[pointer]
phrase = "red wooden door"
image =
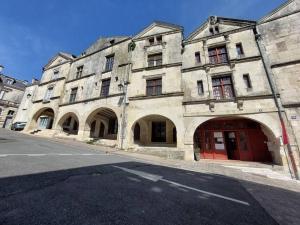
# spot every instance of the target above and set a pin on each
(244, 147)
(206, 149)
(259, 147)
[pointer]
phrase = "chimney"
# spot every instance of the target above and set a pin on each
(1, 68)
(34, 81)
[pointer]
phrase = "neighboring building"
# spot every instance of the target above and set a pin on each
(162, 94)
(11, 92)
(279, 34)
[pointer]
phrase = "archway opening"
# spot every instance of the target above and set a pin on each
(69, 123)
(103, 124)
(43, 119)
(154, 130)
(234, 139)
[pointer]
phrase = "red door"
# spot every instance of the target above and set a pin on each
(219, 148)
(259, 147)
(244, 147)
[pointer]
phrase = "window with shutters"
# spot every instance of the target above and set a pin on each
(222, 87)
(154, 87)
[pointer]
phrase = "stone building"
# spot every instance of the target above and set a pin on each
(204, 96)
(11, 92)
(278, 34)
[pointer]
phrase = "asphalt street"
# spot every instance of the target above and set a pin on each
(43, 181)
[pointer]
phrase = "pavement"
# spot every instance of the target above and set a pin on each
(51, 181)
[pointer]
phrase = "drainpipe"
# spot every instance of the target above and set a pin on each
(286, 143)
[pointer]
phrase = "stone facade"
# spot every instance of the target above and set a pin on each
(11, 93)
(154, 91)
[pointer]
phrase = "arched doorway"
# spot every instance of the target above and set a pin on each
(43, 119)
(154, 130)
(233, 139)
(69, 123)
(103, 124)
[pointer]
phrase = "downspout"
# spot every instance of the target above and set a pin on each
(286, 146)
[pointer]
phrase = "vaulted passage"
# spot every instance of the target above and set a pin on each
(43, 119)
(234, 139)
(69, 123)
(103, 124)
(154, 130)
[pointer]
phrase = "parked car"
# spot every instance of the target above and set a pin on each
(18, 126)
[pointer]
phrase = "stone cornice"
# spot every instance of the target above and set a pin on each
(51, 81)
(156, 67)
(144, 97)
(92, 99)
(285, 63)
(79, 78)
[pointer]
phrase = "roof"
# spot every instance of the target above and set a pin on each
(20, 84)
(221, 20)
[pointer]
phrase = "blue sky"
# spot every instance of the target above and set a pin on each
(33, 31)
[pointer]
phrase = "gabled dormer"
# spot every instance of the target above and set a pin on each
(214, 26)
(59, 59)
(158, 45)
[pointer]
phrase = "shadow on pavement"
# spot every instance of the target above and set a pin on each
(106, 194)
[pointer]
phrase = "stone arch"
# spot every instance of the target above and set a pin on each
(69, 123)
(103, 116)
(42, 119)
(271, 133)
(162, 135)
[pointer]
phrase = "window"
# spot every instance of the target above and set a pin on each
(79, 71)
(105, 88)
(155, 60)
(247, 81)
(211, 30)
(222, 87)
(10, 112)
(200, 87)
(197, 57)
(73, 94)
(9, 81)
(239, 50)
(158, 132)
(217, 30)
(218, 55)
(159, 39)
(2, 94)
(151, 41)
(55, 74)
(153, 87)
(0, 111)
(48, 94)
(109, 63)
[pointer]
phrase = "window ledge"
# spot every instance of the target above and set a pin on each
(106, 71)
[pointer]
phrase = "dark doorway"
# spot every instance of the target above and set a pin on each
(137, 132)
(158, 132)
(231, 144)
(174, 135)
(101, 132)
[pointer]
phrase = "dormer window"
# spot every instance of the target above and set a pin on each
(155, 40)
(211, 30)
(55, 74)
(112, 41)
(151, 41)
(10, 81)
(159, 39)
(217, 30)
